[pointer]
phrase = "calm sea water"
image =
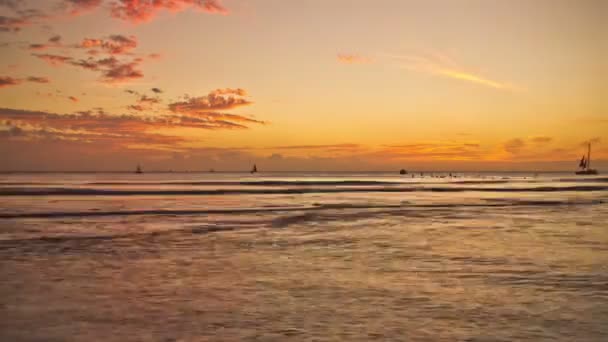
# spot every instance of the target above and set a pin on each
(286, 256)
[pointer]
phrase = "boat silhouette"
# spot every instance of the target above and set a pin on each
(585, 164)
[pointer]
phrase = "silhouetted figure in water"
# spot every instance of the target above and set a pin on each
(139, 170)
(255, 169)
(403, 172)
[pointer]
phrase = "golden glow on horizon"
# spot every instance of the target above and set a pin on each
(369, 85)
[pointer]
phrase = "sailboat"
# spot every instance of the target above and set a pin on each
(255, 169)
(138, 170)
(585, 164)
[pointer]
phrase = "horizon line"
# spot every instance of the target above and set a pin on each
(290, 171)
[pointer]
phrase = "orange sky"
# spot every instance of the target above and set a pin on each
(302, 85)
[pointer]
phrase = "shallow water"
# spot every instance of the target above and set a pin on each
(478, 257)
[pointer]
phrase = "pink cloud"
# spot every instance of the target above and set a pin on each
(76, 7)
(115, 44)
(24, 18)
(138, 11)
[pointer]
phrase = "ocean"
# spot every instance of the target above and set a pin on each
(303, 256)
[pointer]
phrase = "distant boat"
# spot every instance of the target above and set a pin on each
(211, 170)
(403, 172)
(255, 169)
(585, 164)
(138, 170)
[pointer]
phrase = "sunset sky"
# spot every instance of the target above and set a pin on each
(302, 85)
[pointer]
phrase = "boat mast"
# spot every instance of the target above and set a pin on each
(589, 156)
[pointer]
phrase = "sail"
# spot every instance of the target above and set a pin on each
(583, 163)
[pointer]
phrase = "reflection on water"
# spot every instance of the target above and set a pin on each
(366, 265)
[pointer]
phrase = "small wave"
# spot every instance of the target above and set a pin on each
(256, 183)
(481, 182)
(585, 180)
(269, 183)
(211, 192)
(218, 183)
(316, 207)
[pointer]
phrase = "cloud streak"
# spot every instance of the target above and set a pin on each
(122, 130)
(434, 150)
(7, 81)
(99, 126)
(112, 69)
(53, 60)
(443, 66)
(38, 79)
(208, 108)
(346, 58)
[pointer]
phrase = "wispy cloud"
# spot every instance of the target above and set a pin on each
(514, 146)
(118, 65)
(55, 39)
(143, 102)
(11, 4)
(76, 7)
(112, 69)
(115, 44)
(444, 66)
(128, 129)
(349, 58)
(54, 60)
(7, 81)
(219, 99)
(433, 150)
(541, 140)
(38, 79)
(21, 19)
(120, 129)
(345, 146)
